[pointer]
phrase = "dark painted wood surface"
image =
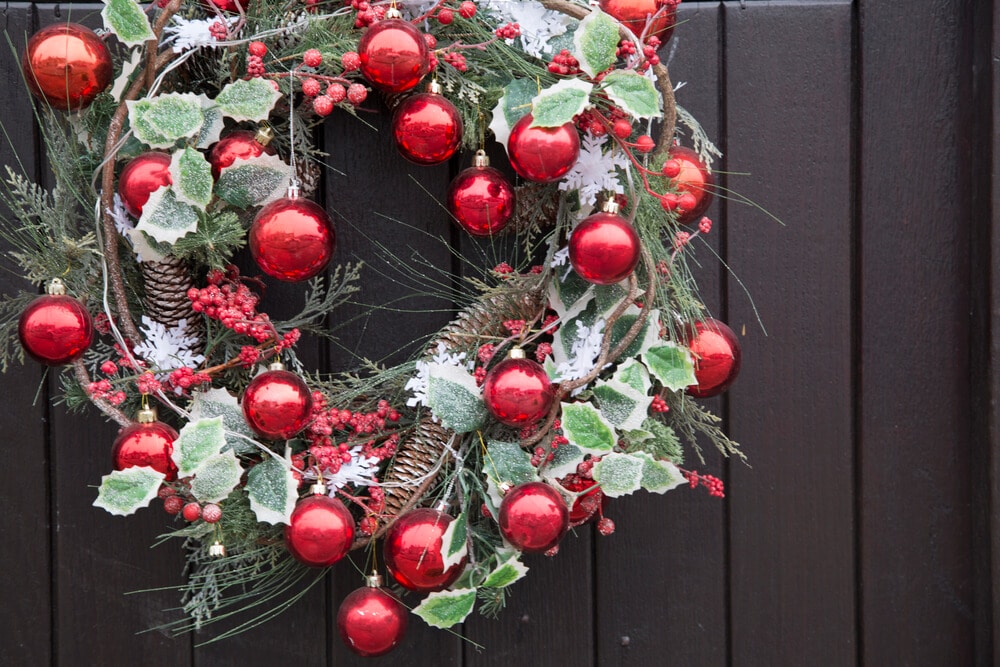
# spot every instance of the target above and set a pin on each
(865, 530)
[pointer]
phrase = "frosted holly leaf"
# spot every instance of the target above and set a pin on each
(514, 104)
(124, 491)
(622, 405)
(127, 21)
(635, 375)
(454, 545)
(192, 177)
(671, 364)
(596, 42)
(220, 403)
(559, 103)
(161, 120)
(197, 442)
(569, 296)
(446, 608)
(145, 248)
(659, 476)
(454, 398)
(212, 123)
(608, 297)
(506, 573)
(272, 490)
(507, 463)
(619, 474)
(565, 460)
(248, 99)
(634, 93)
(253, 182)
(165, 219)
(648, 336)
(584, 426)
(122, 81)
(216, 477)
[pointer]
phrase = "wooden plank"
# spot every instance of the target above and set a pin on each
(915, 453)
(661, 578)
(26, 551)
(788, 122)
(989, 461)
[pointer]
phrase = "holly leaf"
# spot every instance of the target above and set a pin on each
(513, 105)
(248, 99)
(634, 93)
(659, 476)
(145, 248)
(622, 405)
(454, 546)
(454, 398)
(619, 474)
(596, 42)
(220, 403)
(129, 65)
(506, 573)
(216, 477)
(671, 364)
(127, 21)
(635, 375)
(662, 442)
(161, 120)
(586, 428)
(124, 491)
(446, 608)
(253, 182)
(165, 219)
(196, 443)
(649, 333)
(212, 123)
(564, 461)
(192, 178)
(272, 490)
(559, 103)
(507, 463)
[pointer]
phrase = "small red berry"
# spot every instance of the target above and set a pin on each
(445, 17)
(622, 128)
(322, 105)
(173, 504)
(350, 61)
(192, 511)
(312, 58)
(165, 491)
(671, 168)
(258, 49)
(605, 526)
(645, 144)
(211, 513)
(357, 94)
(687, 201)
(336, 92)
(311, 87)
(431, 40)
(467, 9)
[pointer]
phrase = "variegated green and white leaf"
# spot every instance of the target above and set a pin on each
(634, 93)
(671, 364)
(446, 608)
(622, 405)
(559, 103)
(124, 491)
(272, 490)
(596, 42)
(619, 474)
(254, 182)
(659, 476)
(248, 99)
(454, 545)
(584, 426)
(197, 442)
(165, 219)
(127, 20)
(216, 477)
(506, 573)
(513, 105)
(160, 121)
(220, 403)
(454, 398)
(192, 177)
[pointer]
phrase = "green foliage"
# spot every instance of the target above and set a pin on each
(217, 238)
(692, 419)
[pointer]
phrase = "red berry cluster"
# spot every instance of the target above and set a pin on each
(705, 225)
(255, 67)
(232, 303)
(713, 484)
(659, 405)
(102, 389)
(366, 14)
(515, 327)
(456, 60)
(508, 31)
(542, 350)
(217, 30)
(564, 63)
(681, 239)
(540, 455)
(185, 505)
(184, 378)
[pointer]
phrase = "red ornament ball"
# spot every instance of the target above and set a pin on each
(146, 444)
(371, 621)
(634, 13)
(427, 129)
(717, 355)
(482, 200)
(238, 145)
(394, 55)
(277, 404)
(142, 176)
(590, 500)
(412, 551)
(518, 392)
(542, 154)
(533, 517)
(693, 178)
(55, 329)
(320, 531)
(66, 65)
(604, 249)
(292, 239)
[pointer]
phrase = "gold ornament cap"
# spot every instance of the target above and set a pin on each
(318, 488)
(56, 287)
(610, 205)
(275, 366)
(481, 159)
(146, 415)
(373, 580)
(217, 550)
(265, 134)
(516, 353)
(393, 13)
(434, 87)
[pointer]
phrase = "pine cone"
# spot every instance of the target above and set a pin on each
(416, 456)
(165, 299)
(486, 317)
(309, 174)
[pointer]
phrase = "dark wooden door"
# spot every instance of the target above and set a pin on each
(864, 530)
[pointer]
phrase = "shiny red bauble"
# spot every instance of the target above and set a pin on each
(427, 129)
(693, 178)
(292, 239)
(238, 145)
(717, 354)
(517, 392)
(542, 154)
(634, 14)
(371, 621)
(604, 249)
(533, 517)
(66, 65)
(55, 329)
(320, 531)
(394, 55)
(143, 175)
(412, 551)
(481, 199)
(277, 404)
(148, 444)
(590, 500)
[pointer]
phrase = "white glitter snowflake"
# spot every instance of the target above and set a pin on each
(538, 24)
(165, 348)
(123, 221)
(583, 353)
(360, 471)
(187, 34)
(417, 384)
(595, 171)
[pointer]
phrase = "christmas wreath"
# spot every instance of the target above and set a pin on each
(186, 131)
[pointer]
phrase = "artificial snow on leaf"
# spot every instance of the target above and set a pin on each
(124, 491)
(127, 20)
(253, 182)
(619, 474)
(165, 219)
(272, 490)
(248, 99)
(192, 178)
(212, 125)
(145, 248)
(446, 608)
(507, 463)
(671, 364)
(218, 402)
(559, 103)
(569, 296)
(649, 333)
(564, 461)
(196, 442)
(506, 573)
(160, 121)
(635, 375)
(511, 107)
(622, 405)
(596, 42)
(454, 398)
(586, 428)
(634, 93)
(659, 476)
(454, 545)
(216, 477)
